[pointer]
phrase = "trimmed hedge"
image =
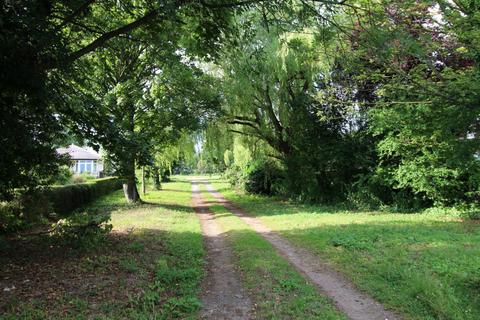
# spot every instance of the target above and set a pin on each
(30, 209)
(65, 199)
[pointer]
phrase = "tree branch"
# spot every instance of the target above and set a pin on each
(245, 133)
(244, 123)
(271, 113)
(75, 13)
(100, 41)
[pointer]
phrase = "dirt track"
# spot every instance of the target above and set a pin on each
(355, 304)
(223, 294)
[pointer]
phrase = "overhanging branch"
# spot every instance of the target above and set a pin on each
(100, 41)
(75, 13)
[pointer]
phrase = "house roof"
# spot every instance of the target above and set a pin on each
(79, 153)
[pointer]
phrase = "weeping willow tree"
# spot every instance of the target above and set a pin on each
(167, 156)
(278, 84)
(375, 101)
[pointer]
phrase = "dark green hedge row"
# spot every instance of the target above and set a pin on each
(29, 209)
(65, 199)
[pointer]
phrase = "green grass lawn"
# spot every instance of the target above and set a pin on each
(278, 291)
(149, 267)
(427, 266)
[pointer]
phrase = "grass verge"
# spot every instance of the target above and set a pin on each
(149, 267)
(276, 288)
(424, 265)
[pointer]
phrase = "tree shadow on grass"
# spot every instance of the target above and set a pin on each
(110, 208)
(269, 207)
(101, 282)
(166, 206)
(173, 190)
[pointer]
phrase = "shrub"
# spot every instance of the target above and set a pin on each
(372, 192)
(64, 176)
(471, 212)
(166, 176)
(363, 199)
(236, 176)
(83, 230)
(76, 179)
(82, 178)
(263, 177)
(65, 199)
(10, 216)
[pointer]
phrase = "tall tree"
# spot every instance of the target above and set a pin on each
(136, 98)
(41, 41)
(280, 84)
(426, 115)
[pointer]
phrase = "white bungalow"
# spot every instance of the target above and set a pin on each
(84, 160)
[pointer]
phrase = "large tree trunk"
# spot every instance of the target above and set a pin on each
(130, 191)
(130, 185)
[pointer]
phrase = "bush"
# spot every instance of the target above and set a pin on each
(363, 199)
(166, 176)
(64, 176)
(10, 216)
(83, 230)
(82, 178)
(470, 212)
(65, 199)
(372, 192)
(236, 176)
(263, 177)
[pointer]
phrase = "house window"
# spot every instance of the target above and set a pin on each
(88, 165)
(82, 166)
(85, 166)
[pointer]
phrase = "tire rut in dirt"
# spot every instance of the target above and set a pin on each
(223, 295)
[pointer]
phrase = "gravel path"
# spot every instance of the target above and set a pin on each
(223, 295)
(352, 302)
